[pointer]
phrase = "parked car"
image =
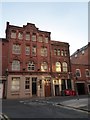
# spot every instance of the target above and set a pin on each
(68, 92)
(3, 117)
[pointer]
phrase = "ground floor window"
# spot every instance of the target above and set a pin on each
(15, 84)
(27, 83)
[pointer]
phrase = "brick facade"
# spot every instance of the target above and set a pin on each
(80, 61)
(33, 64)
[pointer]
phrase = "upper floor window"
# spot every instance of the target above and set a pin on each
(27, 50)
(62, 52)
(87, 72)
(58, 67)
(44, 66)
(33, 37)
(16, 49)
(13, 34)
(78, 73)
(65, 52)
(27, 36)
(20, 35)
(40, 39)
(34, 50)
(55, 52)
(16, 65)
(31, 66)
(46, 40)
(43, 51)
(58, 52)
(65, 67)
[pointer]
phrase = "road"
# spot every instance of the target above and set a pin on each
(40, 108)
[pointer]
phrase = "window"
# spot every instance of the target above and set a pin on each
(13, 34)
(15, 84)
(58, 52)
(40, 39)
(78, 73)
(44, 66)
(27, 36)
(27, 50)
(62, 53)
(16, 65)
(20, 35)
(87, 72)
(33, 37)
(27, 83)
(46, 40)
(58, 67)
(31, 66)
(16, 49)
(65, 52)
(34, 51)
(43, 51)
(64, 65)
(55, 52)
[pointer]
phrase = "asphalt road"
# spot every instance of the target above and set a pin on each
(46, 108)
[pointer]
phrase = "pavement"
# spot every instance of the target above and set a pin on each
(81, 104)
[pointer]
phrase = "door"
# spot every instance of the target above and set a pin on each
(34, 86)
(56, 90)
(80, 88)
(48, 90)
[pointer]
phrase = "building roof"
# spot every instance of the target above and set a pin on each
(81, 56)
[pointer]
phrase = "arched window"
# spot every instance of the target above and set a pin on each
(16, 65)
(58, 67)
(31, 66)
(64, 65)
(44, 66)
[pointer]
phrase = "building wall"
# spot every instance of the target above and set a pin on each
(80, 60)
(49, 82)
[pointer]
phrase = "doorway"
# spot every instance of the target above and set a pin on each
(56, 90)
(34, 86)
(80, 88)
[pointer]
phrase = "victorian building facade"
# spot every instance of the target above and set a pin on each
(80, 65)
(33, 64)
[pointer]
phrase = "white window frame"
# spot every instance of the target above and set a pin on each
(27, 50)
(65, 67)
(31, 66)
(13, 34)
(15, 65)
(33, 37)
(16, 49)
(27, 83)
(44, 51)
(79, 72)
(44, 66)
(58, 66)
(20, 35)
(15, 84)
(27, 36)
(88, 72)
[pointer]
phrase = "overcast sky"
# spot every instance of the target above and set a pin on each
(67, 21)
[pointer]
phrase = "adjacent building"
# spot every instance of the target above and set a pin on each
(80, 65)
(33, 64)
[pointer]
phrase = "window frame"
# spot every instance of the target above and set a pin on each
(15, 65)
(15, 86)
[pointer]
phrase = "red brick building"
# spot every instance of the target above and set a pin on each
(61, 68)
(32, 64)
(80, 64)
